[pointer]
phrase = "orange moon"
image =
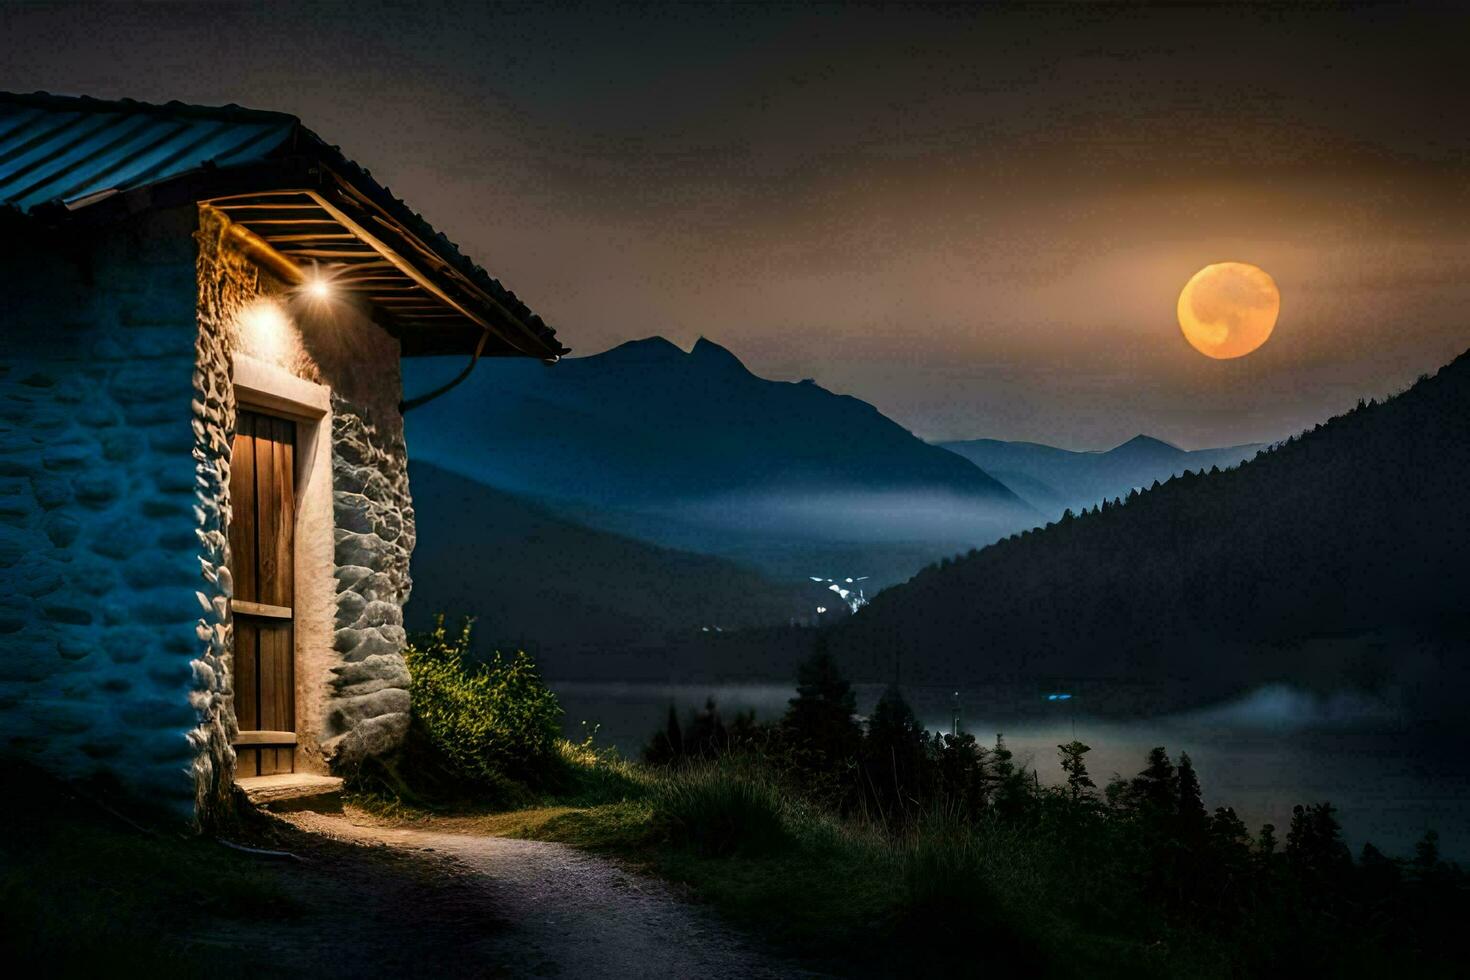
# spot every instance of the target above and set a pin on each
(1229, 309)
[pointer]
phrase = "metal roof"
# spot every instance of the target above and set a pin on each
(57, 155)
(63, 157)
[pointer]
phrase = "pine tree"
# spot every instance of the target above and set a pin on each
(1192, 814)
(1079, 783)
(1155, 790)
(894, 755)
(1314, 847)
(820, 718)
(705, 734)
(1266, 841)
(1228, 830)
(963, 777)
(1001, 757)
(1011, 794)
(1426, 852)
(1298, 835)
(1154, 795)
(668, 745)
(1229, 871)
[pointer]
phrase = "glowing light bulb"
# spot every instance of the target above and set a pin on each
(318, 289)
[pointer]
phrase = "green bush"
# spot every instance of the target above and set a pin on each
(489, 722)
(723, 808)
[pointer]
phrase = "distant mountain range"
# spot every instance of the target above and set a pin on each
(692, 451)
(1052, 480)
(538, 581)
(1337, 557)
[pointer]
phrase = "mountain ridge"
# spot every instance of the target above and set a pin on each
(1053, 479)
(692, 450)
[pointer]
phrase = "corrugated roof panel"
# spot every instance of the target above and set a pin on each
(62, 163)
(50, 156)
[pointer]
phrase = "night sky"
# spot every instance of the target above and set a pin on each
(978, 219)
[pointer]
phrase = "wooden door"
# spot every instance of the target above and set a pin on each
(262, 561)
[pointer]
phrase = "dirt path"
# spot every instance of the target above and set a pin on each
(563, 913)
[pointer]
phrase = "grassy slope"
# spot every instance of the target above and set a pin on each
(1055, 895)
(837, 895)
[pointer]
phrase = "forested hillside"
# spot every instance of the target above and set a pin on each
(1332, 544)
(537, 580)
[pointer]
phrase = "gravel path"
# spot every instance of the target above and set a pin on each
(564, 913)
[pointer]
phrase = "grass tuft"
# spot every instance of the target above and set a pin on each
(723, 809)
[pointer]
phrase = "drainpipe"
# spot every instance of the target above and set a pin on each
(404, 406)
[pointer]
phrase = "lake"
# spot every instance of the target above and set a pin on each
(1261, 754)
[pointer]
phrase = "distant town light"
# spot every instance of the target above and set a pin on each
(854, 598)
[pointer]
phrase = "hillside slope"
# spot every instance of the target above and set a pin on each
(1323, 549)
(693, 451)
(1052, 479)
(539, 581)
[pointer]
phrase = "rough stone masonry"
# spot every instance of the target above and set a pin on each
(116, 416)
(366, 701)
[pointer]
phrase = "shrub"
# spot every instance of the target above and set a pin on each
(489, 722)
(723, 808)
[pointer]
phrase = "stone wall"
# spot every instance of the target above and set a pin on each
(102, 607)
(116, 415)
(352, 688)
(374, 540)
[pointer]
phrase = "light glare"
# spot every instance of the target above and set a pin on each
(264, 330)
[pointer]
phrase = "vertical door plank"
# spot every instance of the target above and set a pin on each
(276, 690)
(268, 514)
(269, 716)
(247, 691)
(247, 674)
(242, 508)
(283, 460)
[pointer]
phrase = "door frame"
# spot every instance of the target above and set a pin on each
(263, 387)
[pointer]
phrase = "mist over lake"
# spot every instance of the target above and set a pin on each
(1261, 753)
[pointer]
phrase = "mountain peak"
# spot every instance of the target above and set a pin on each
(706, 351)
(1143, 443)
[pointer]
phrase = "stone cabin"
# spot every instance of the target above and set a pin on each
(205, 521)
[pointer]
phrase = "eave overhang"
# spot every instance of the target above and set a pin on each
(300, 206)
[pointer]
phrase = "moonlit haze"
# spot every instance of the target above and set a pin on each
(978, 219)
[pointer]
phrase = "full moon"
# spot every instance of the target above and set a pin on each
(1229, 309)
